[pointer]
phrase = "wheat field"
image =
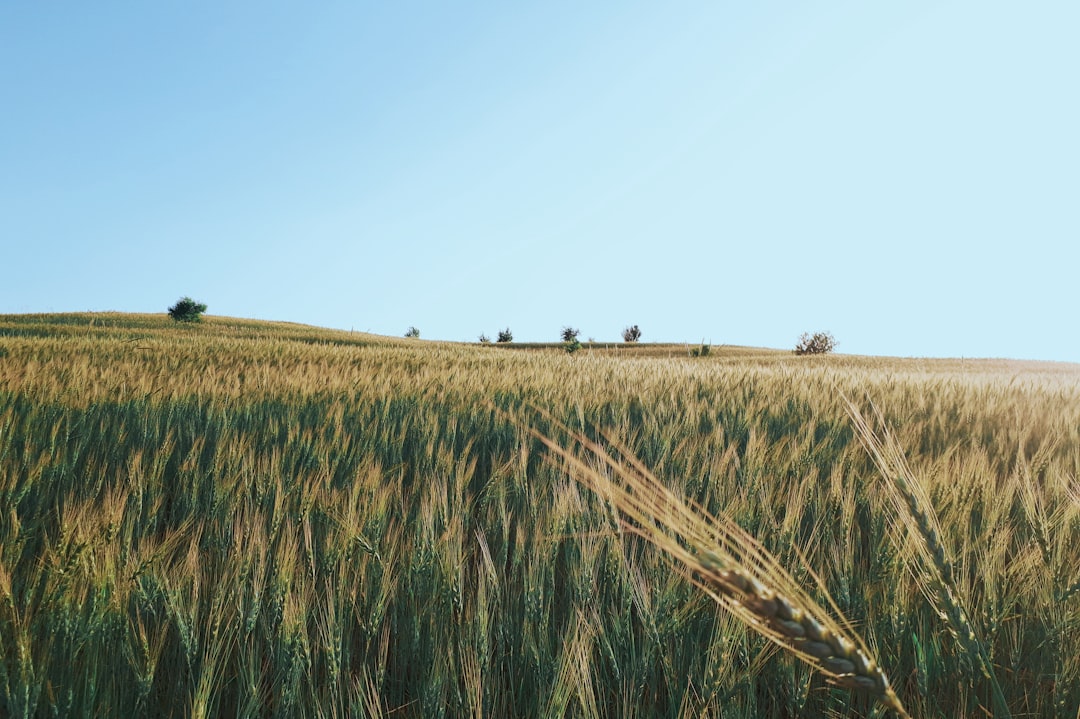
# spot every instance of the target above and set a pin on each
(241, 518)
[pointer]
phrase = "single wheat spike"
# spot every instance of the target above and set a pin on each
(732, 567)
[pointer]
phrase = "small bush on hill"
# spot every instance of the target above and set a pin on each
(412, 333)
(187, 310)
(570, 339)
(818, 343)
(631, 334)
(702, 351)
(505, 335)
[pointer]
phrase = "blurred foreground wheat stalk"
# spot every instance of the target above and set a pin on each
(729, 565)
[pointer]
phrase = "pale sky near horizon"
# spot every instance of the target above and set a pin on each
(905, 175)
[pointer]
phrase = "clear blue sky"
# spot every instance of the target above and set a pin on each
(903, 174)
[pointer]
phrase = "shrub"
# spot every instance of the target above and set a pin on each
(484, 339)
(412, 333)
(505, 335)
(631, 334)
(818, 343)
(187, 310)
(569, 334)
(702, 351)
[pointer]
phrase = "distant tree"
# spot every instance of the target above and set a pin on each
(484, 339)
(505, 335)
(412, 333)
(570, 340)
(631, 334)
(187, 310)
(702, 351)
(818, 343)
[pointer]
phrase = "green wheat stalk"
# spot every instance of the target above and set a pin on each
(916, 515)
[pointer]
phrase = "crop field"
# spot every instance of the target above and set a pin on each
(253, 519)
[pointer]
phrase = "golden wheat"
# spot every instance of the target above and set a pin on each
(732, 567)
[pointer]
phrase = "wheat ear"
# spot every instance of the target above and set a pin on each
(731, 566)
(915, 513)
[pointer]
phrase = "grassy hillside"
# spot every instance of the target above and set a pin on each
(266, 519)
